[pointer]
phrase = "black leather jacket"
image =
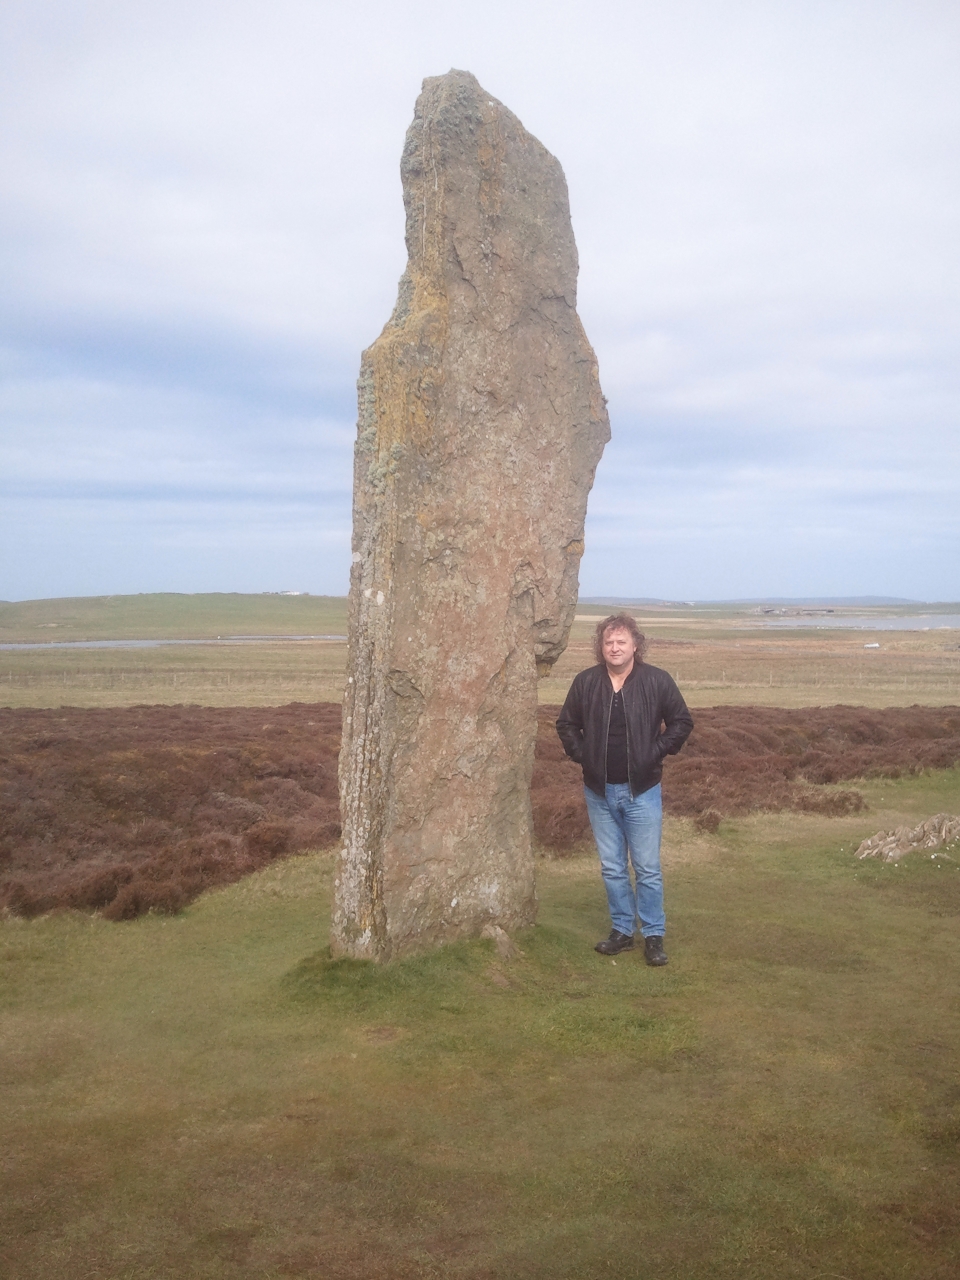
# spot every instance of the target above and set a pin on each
(651, 702)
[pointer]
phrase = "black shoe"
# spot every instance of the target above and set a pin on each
(653, 951)
(616, 943)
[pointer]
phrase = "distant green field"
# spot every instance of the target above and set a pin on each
(719, 655)
(171, 616)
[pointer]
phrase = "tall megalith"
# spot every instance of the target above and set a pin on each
(481, 423)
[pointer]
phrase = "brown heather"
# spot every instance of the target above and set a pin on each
(741, 760)
(142, 808)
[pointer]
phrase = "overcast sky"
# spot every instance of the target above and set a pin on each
(202, 227)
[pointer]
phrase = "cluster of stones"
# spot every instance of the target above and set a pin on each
(936, 833)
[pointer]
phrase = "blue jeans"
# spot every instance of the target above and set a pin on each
(627, 830)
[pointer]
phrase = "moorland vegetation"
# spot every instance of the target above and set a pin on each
(143, 808)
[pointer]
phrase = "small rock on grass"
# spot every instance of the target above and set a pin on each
(890, 846)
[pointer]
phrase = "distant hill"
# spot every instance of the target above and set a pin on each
(172, 616)
(626, 600)
(861, 602)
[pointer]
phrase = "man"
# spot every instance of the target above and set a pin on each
(620, 719)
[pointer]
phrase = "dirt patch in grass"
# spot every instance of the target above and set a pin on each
(142, 808)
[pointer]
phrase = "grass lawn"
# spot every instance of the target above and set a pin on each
(170, 616)
(269, 673)
(210, 1096)
(264, 674)
(719, 656)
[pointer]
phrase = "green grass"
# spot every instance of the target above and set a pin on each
(223, 675)
(212, 1096)
(170, 616)
(267, 674)
(719, 656)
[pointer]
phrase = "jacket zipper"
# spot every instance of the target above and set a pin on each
(626, 730)
(606, 739)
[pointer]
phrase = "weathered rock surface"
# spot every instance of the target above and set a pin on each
(481, 423)
(939, 832)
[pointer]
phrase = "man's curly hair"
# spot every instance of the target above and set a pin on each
(620, 622)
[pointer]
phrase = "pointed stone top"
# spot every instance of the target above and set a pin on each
(486, 202)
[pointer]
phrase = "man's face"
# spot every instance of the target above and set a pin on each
(617, 648)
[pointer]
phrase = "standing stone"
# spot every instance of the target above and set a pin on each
(481, 423)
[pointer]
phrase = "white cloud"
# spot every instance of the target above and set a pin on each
(203, 227)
